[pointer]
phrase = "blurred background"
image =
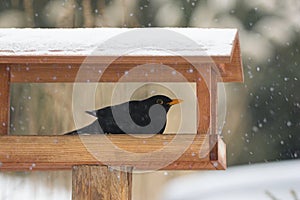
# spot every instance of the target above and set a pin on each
(263, 113)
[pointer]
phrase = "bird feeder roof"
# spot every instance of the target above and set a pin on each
(220, 46)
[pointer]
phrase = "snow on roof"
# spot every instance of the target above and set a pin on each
(117, 41)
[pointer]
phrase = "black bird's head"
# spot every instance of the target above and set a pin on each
(162, 100)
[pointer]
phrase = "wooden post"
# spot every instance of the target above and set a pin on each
(213, 103)
(4, 99)
(90, 182)
(214, 146)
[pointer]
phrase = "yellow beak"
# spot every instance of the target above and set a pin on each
(175, 101)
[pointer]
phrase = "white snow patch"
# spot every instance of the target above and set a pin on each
(117, 41)
(244, 182)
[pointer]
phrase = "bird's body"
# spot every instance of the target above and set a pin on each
(147, 116)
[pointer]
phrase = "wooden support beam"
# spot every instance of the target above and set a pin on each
(167, 152)
(226, 64)
(92, 59)
(91, 182)
(203, 82)
(233, 71)
(4, 99)
(70, 73)
(213, 103)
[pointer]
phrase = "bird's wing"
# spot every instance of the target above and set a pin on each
(93, 128)
(104, 112)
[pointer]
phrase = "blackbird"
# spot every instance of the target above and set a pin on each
(148, 116)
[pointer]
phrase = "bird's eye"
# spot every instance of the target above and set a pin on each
(159, 101)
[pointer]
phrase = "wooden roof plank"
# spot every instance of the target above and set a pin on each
(105, 45)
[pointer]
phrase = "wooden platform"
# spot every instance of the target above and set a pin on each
(62, 152)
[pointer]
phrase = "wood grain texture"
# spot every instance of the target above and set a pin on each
(48, 73)
(137, 60)
(4, 99)
(203, 98)
(230, 67)
(213, 103)
(63, 152)
(90, 182)
(233, 70)
(120, 182)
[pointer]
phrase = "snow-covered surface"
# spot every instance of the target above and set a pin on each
(117, 41)
(35, 185)
(257, 182)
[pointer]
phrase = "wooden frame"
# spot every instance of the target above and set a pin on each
(63, 152)
(91, 176)
(212, 156)
(4, 99)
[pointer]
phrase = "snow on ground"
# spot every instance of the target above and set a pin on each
(258, 181)
(35, 185)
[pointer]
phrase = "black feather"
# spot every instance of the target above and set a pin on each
(148, 116)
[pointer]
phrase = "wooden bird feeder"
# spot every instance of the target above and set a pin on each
(212, 54)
